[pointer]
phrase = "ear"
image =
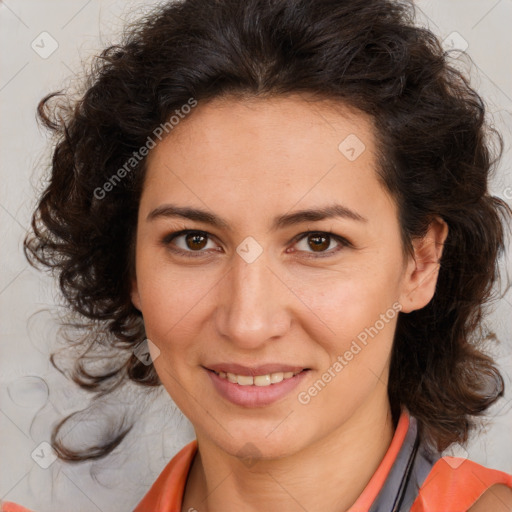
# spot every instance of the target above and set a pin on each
(422, 270)
(134, 294)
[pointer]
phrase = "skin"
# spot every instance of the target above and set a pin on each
(249, 161)
(497, 498)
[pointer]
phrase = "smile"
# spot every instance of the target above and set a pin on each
(257, 380)
(257, 390)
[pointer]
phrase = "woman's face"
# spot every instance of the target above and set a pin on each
(258, 287)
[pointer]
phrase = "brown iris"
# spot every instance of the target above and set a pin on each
(196, 240)
(320, 242)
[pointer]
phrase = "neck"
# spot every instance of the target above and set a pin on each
(329, 474)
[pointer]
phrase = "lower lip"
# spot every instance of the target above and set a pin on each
(255, 396)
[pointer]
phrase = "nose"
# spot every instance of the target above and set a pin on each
(254, 304)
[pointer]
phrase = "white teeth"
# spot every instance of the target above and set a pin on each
(276, 377)
(262, 380)
(258, 380)
(245, 380)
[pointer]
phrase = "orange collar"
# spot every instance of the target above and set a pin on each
(166, 494)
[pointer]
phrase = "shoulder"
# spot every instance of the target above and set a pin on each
(168, 489)
(10, 506)
(456, 484)
(497, 498)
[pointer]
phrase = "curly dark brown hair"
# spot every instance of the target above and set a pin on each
(436, 153)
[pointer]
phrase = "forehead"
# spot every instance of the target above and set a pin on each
(239, 128)
(260, 152)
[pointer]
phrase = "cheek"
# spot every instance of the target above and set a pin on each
(360, 314)
(172, 311)
(347, 302)
(170, 307)
(169, 297)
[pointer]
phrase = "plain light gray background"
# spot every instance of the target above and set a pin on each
(43, 43)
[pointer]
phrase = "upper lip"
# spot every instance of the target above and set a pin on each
(263, 369)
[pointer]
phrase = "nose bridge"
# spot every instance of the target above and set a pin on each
(253, 303)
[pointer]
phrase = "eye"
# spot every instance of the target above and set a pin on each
(321, 243)
(193, 243)
(189, 242)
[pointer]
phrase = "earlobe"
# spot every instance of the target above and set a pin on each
(423, 267)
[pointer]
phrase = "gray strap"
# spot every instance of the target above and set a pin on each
(410, 469)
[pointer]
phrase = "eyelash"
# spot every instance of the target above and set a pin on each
(166, 241)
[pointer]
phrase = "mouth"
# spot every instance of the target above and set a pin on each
(263, 380)
(257, 386)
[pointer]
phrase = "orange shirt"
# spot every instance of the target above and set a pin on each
(452, 485)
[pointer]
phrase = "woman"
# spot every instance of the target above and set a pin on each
(286, 204)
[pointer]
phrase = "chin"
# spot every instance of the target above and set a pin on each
(252, 444)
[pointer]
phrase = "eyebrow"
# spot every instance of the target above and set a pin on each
(280, 222)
